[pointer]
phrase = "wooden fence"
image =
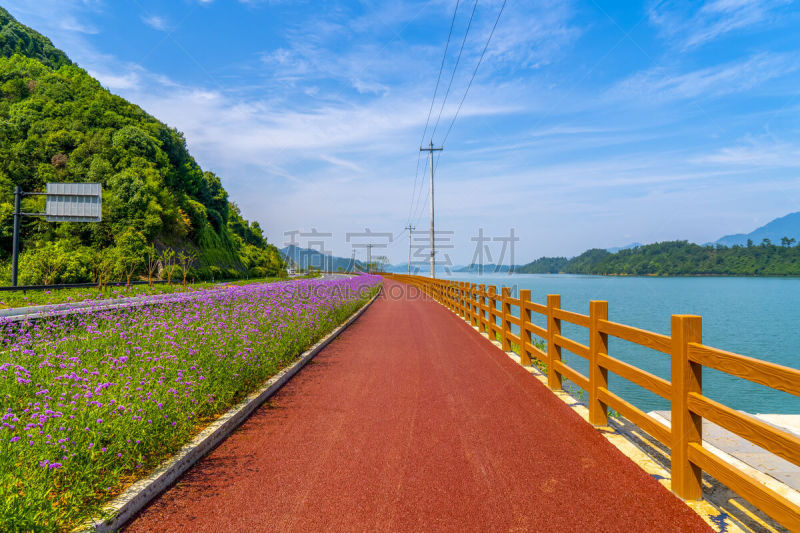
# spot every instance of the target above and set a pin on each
(490, 311)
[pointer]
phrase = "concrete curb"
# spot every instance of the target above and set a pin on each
(137, 496)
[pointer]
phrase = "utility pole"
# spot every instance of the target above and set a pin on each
(15, 237)
(430, 150)
(410, 228)
(369, 257)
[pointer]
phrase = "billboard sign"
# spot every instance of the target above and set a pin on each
(74, 202)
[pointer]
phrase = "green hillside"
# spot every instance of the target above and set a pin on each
(58, 124)
(681, 258)
(18, 39)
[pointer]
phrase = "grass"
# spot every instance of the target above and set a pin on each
(92, 402)
(13, 299)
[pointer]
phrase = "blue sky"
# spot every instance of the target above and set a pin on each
(589, 123)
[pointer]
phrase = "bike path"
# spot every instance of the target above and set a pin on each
(412, 421)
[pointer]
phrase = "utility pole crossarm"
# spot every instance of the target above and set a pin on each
(430, 150)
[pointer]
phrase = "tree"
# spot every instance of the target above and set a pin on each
(103, 263)
(786, 242)
(167, 255)
(131, 247)
(48, 262)
(185, 259)
(151, 257)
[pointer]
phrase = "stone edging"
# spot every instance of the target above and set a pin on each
(138, 495)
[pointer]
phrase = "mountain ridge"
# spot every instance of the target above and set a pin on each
(774, 230)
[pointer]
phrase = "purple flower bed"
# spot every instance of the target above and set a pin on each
(90, 402)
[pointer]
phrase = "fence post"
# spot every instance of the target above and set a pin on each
(492, 320)
(481, 304)
(598, 376)
(553, 351)
(505, 310)
(473, 289)
(524, 334)
(687, 427)
(464, 300)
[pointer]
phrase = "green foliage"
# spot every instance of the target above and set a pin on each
(58, 124)
(544, 265)
(682, 258)
(16, 38)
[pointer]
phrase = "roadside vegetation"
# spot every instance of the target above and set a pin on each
(92, 402)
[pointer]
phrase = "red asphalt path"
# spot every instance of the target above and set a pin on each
(411, 421)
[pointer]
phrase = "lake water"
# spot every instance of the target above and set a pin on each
(757, 317)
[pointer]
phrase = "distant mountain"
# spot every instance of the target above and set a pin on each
(306, 258)
(421, 268)
(616, 249)
(679, 258)
(544, 265)
(488, 269)
(786, 226)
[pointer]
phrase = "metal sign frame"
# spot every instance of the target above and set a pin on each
(66, 202)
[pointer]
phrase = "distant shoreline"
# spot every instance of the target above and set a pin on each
(506, 273)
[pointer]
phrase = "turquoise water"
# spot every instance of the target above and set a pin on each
(758, 317)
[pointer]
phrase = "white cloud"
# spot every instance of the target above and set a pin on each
(755, 152)
(117, 82)
(661, 83)
(323, 131)
(693, 24)
(530, 34)
(156, 22)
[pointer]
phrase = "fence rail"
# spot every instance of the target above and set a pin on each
(491, 312)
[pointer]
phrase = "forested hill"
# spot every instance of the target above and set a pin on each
(680, 258)
(58, 124)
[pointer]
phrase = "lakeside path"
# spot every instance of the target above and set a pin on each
(411, 421)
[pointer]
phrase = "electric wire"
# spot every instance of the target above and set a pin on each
(461, 103)
(430, 109)
(455, 69)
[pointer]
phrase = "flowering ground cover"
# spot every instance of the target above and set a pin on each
(92, 401)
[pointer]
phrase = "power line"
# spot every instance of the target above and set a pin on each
(433, 100)
(416, 201)
(441, 68)
(502, 7)
(455, 68)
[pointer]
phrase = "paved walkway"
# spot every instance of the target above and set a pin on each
(411, 421)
